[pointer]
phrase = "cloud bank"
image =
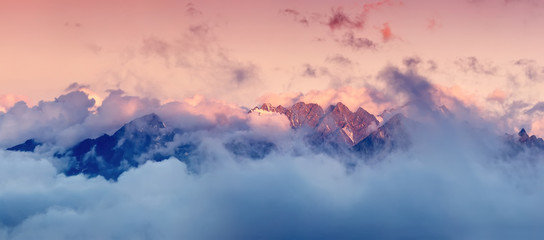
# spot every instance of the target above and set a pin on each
(456, 180)
(454, 187)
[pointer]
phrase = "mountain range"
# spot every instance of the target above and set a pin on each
(334, 130)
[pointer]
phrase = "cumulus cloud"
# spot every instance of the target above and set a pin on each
(45, 120)
(74, 116)
(8, 100)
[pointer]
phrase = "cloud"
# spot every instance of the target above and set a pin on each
(473, 64)
(449, 184)
(417, 90)
(411, 62)
(367, 7)
(339, 60)
(531, 69)
(244, 74)
(497, 95)
(386, 32)
(190, 63)
(45, 120)
(191, 10)
(75, 87)
(538, 107)
(453, 182)
(74, 116)
(309, 71)
(432, 24)
(8, 100)
(297, 16)
(356, 43)
(155, 46)
(340, 20)
(199, 29)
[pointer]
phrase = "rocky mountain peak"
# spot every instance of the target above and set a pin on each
(337, 123)
(523, 136)
(150, 123)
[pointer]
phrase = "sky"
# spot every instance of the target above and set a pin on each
(72, 70)
(484, 52)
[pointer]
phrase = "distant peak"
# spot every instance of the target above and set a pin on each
(341, 105)
(523, 136)
(152, 120)
(147, 123)
(267, 107)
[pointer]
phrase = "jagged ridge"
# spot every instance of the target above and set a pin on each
(337, 123)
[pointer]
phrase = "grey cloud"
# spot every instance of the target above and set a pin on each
(200, 29)
(244, 74)
(473, 64)
(454, 182)
(538, 107)
(75, 86)
(416, 88)
(447, 185)
(45, 120)
(309, 71)
(411, 62)
(155, 46)
(432, 65)
(339, 19)
(297, 16)
(356, 43)
(531, 69)
(415, 61)
(339, 60)
(191, 10)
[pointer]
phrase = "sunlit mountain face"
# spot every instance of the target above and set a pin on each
(271, 120)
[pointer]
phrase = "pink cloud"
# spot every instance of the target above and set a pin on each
(432, 24)
(497, 95)
(376, 5)
(8, 100)
(339, 20)
(537, 127)
(386, 32)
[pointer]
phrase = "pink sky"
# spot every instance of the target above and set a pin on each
(245, 51)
